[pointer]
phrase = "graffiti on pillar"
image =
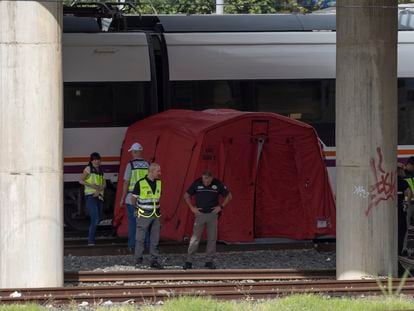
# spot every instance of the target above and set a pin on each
(384, 187)
(361, 192)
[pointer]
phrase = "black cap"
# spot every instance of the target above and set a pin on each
(95, 156)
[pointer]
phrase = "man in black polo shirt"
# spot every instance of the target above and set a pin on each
(207, 190)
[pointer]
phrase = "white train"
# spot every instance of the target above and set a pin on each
(136, 66)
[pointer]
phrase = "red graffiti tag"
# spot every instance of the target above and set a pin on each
(385, 186)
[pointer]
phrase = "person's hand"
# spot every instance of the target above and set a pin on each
(217, 209)
(407, 205)
(121, 202)
(195, 210)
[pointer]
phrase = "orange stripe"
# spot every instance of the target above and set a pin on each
(400, 152)
(406, 151)
(86, 159)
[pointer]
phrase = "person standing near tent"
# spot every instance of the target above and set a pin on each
(403, 202)
(93, 180)
(146, 197)
(409, 178)
(135, 170)
(207, 190)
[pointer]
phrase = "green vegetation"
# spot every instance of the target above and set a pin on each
(31, 307)
(294, 302)
(231, 6)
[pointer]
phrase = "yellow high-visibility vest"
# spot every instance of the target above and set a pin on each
(148, 202)
(139, 169)
(95, 178)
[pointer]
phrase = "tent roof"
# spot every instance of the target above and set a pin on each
(192, 123)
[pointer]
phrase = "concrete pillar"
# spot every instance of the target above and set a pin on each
(31, 206)
(366, 137)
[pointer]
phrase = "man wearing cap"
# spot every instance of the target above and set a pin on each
(135, 170)
(207, 190)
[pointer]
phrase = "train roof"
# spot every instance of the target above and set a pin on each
(215, 23)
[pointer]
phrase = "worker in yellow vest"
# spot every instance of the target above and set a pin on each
(93, 180)
(146, 198)
(135, 170)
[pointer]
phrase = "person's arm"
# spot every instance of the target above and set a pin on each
(226, 200)
(125, 186)
(104, 182)
(85, 175)
(408, 194)
(124, 191)
(187, 199)
(135, 194)
(227, 197)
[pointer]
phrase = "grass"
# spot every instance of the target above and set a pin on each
(31, 307)
(294, 302)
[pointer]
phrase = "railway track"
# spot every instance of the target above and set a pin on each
(198, 275)
(158, 292)
(167, 247)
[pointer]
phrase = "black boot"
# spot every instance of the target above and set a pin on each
(210, 265)
(156, 265)
(138, 263)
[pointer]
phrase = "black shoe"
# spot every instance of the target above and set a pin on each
(156, 265)
(210, 265)
(138, 263)
(187, 265)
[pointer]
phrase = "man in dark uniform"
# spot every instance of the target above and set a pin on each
(207, 190)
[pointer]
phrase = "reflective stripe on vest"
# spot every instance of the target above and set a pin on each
(94, 178)
(148, 203)
(139, 169)
(410, 182)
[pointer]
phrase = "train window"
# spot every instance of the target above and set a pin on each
(312, 102)
(105, 104)
(200, 95)
(302, 98)
(406, 111)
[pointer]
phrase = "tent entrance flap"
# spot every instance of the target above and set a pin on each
(259, 136)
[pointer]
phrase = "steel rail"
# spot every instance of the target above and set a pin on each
(198, 275)
(168, 247)
(145, 293)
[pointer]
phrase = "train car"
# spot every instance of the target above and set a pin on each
(119, 68)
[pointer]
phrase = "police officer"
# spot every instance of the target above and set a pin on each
(135, 170)
(146, 197)
(93, 180)
(207, 190)
(409, 178)
(404, 193)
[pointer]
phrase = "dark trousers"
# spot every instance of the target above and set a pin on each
(94, 206)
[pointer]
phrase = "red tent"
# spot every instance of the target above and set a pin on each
(272, 165)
